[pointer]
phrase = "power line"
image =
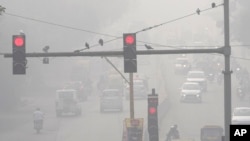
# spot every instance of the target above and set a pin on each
(247, 59)
(197, 12)
(68, 27)
(95, 45)
(59, 25)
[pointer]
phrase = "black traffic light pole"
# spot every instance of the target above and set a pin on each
(220, 50)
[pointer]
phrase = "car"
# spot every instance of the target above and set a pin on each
(140, 89)
(67, 102)
(111, 99)
(199, 77)
(182, 65)
(191, 92)
(241, 115)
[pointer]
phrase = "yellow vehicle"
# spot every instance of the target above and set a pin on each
(211, 133)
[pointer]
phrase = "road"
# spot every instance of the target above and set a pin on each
(92, 125)
(190, 117)
(96, 126)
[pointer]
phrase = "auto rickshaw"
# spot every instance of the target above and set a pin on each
(211, 133)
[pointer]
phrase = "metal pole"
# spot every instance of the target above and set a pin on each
(227, 73)
(131, 89)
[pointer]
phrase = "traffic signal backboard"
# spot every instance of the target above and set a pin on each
(19, 54)
(129, 52)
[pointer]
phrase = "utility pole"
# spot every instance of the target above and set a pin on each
(227, 73)
(131, 95)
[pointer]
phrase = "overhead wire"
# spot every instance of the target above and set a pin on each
(59, 25)
(103, 34)
(192, 14)
(117, 37)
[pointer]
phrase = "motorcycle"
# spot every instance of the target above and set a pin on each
(38, 125)
(172, 135)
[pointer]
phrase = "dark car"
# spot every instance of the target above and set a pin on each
(211, 133)
(182, 66)
(111, 99)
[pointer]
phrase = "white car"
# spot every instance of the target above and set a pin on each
(199, 77)
(191, 91)
(241, 115)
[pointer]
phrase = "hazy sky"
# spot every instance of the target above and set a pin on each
(111, 17)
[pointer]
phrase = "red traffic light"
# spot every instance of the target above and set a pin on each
(129, 39)
(152, 110)
(18, 41)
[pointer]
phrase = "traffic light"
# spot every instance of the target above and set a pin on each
(134, 134)
(153, 118)
(19, 54)
(129, 52)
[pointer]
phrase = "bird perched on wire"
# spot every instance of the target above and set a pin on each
(2, 9)
(100, 42)
(148, 47)
(198, 11)
(213, 5)
(87, 45)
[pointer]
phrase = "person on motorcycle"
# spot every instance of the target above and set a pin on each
(173, 133)
(38, 117)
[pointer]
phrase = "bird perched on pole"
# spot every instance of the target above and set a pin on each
(148, 47)
(46, 49)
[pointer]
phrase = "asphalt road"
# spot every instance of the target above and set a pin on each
(191, 117)
(96, 126)
(92, 125)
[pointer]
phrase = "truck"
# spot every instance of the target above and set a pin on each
(67, 102)
(211, 133)
(81, 72)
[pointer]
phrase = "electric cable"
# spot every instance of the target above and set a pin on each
(192, 14)
(59, 25)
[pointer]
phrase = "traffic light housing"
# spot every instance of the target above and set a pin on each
(153, 118)
(19, 54)
(129, 52)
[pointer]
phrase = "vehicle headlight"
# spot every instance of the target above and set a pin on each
(198, 95)
(183, 95)
(184, 66)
